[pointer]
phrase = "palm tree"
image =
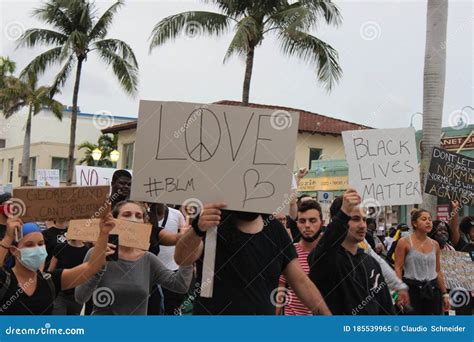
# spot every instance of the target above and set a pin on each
(106, 143)
(17, 94)
(78, 31)
(433, 87)
(7, 68)
(253, 21)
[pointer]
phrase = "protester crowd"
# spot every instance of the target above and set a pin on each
(264, 264)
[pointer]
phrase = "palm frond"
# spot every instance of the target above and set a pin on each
(102, 25)
(34, 37)
(38, 65)
(247, 31)
(126, 73)
(170, 27)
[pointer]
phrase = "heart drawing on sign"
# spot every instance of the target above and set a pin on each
(254, 189)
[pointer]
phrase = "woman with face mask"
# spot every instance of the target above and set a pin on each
(417, 262)
(440, 234)
(24, 289)
(122, 287)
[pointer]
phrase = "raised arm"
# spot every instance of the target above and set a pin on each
(454, 224)
(190, 246)
(13, 224)
(81, 273)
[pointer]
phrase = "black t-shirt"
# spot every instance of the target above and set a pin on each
(247, 269)
(295, 232)
(52, 237)
(69, 257)
(17, 302)
(3, 230)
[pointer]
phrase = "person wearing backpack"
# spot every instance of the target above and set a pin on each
(25, 289)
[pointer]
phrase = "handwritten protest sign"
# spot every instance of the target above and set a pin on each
(89, 175)
(451, 176)
(50, 203)
(46, 177)
(458, 269)
(131, 234)
(242, 156)
(383, 165)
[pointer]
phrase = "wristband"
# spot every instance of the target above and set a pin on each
(198, 231)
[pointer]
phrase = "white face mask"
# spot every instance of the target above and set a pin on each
(405, 234)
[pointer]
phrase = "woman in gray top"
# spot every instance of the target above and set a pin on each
(417, 263)
(122, 287)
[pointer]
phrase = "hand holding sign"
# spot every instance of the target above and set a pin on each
(107, 221)
(210, 216)
(13, 228)
(350, 200)
(302, 172)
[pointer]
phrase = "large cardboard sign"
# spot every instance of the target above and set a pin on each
(383, 165)
(131, 234)
(49, 203)
(47, 177)
(90, 175)
(458, 270)
(240, 155)
(451, 176)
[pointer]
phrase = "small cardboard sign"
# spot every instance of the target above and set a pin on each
(131, 234)
(47, 177)
(65, 203)
(458, 270)
(451, 176)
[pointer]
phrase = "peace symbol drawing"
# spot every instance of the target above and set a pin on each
(202, 126)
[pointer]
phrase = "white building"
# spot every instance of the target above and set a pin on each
(49, 141)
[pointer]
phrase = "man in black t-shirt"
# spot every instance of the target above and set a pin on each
(251, 253)
(54, 236)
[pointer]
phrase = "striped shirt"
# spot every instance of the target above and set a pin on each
(294, 307)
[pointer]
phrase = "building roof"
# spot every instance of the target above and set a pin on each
(309, 122)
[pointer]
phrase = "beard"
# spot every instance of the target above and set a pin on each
(311, 238)
(246, 216)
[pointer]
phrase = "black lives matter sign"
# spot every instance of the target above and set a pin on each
(451, 176)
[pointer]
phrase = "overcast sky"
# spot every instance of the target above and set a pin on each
(380, 43)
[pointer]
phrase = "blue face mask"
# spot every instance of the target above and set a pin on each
(33, 257)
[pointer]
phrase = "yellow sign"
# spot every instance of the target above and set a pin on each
(324, 183)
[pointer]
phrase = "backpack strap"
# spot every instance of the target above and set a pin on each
(6, 284)
(49, 281)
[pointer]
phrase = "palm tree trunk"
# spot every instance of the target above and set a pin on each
(72, 136)
(433, 87)
(248, 76)
(25, 160)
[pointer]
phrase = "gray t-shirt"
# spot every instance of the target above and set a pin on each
(122, 287)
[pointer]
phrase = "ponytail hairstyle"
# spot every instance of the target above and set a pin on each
(415, 215)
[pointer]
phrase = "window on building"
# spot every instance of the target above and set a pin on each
(314, 154)
(61, 165)
(32, 171)
(10, 170)
(2, 143)
(128, 155)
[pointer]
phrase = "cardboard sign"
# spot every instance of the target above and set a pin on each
(383, 165)
(451, 176)
(458, 270)
(90, 176)
(47, 177)
(239, 155)
(71, 202)
(131, 234)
